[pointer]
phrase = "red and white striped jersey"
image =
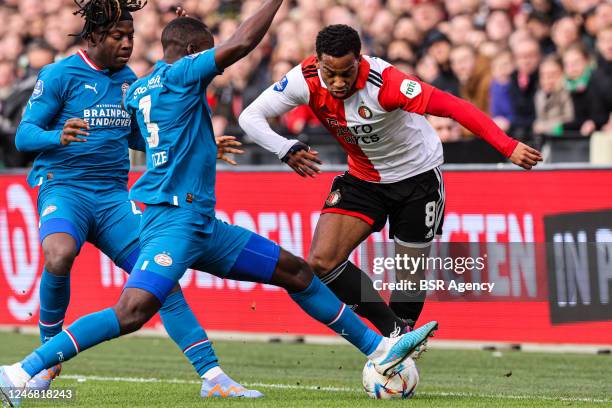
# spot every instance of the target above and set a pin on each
(380, 126)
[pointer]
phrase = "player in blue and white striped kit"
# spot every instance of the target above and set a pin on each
(179, 229)
(76, 121)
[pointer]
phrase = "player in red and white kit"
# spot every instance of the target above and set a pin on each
(376, 114)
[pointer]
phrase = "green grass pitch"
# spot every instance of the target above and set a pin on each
(151, 372)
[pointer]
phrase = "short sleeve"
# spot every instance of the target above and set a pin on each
(402, 91)
(46, 100)
(196, 68)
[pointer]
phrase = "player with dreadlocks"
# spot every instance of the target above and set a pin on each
(75, 120)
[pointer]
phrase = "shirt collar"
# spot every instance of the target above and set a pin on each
(88, 60)
(362, 75)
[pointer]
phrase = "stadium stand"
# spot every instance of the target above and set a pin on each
(488, 51)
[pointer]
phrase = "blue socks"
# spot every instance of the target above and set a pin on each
(81, 335)
(320, 303)
(179, 321)
(54, 299)
(183, 327)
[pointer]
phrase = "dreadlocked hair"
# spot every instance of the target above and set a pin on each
(102, 15)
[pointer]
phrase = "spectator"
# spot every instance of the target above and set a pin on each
(405, 30)
(578, 69)
(538, 25)
(473, 74)
(498, 26)
(565, 32)
(553, 103)
(459, 27)
(523, 86)
(400, 51)
(427, 69)
(550, 8)
(439, 49)
(427, 15)
(7, 76)
(380, 32)
(447, 129)
(38, 55)
(417, 36)
(499, 94)
(601, 103)
(603, 15)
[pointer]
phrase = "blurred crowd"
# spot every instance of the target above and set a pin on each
(538, 67)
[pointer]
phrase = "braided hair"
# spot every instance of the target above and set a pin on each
(102, 15)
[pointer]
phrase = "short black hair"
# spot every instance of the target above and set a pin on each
(103, 15)
(183, 31)
(338, 40)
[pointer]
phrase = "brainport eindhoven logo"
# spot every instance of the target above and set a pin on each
(333, 198)
(365, 112)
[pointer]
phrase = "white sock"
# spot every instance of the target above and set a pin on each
(18, 376)
(212, 373)
(382, 348)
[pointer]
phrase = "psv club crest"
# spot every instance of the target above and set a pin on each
(333, 198)
(365, 112)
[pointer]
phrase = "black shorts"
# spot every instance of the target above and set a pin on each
(415, 206)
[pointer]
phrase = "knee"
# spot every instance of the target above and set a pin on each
(296, 275)
(59, 257)
(131, 316)
(321, 264)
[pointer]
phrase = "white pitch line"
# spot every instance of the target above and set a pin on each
(336, 389)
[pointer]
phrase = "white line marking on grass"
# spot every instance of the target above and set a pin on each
(337, 389)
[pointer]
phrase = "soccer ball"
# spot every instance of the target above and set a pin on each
(399, 385)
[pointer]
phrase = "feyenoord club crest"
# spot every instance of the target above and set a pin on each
(333, 198)
(365, 112)
(124, 88)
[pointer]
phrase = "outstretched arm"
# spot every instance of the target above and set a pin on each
(401, 91)
(248, 35)
(447, 105)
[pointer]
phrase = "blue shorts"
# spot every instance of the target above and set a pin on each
(173, 239)
(101, 214)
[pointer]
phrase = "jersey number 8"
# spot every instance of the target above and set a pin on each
(430, 214)
(145, 106)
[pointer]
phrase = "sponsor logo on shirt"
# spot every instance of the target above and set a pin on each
(357, 134)
(281, 85)
(163, 259)
(107, 115)
(155, 82)
(410, 88)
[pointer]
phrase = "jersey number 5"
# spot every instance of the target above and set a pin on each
(145, 106)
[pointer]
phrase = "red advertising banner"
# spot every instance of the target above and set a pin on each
(482, 206)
